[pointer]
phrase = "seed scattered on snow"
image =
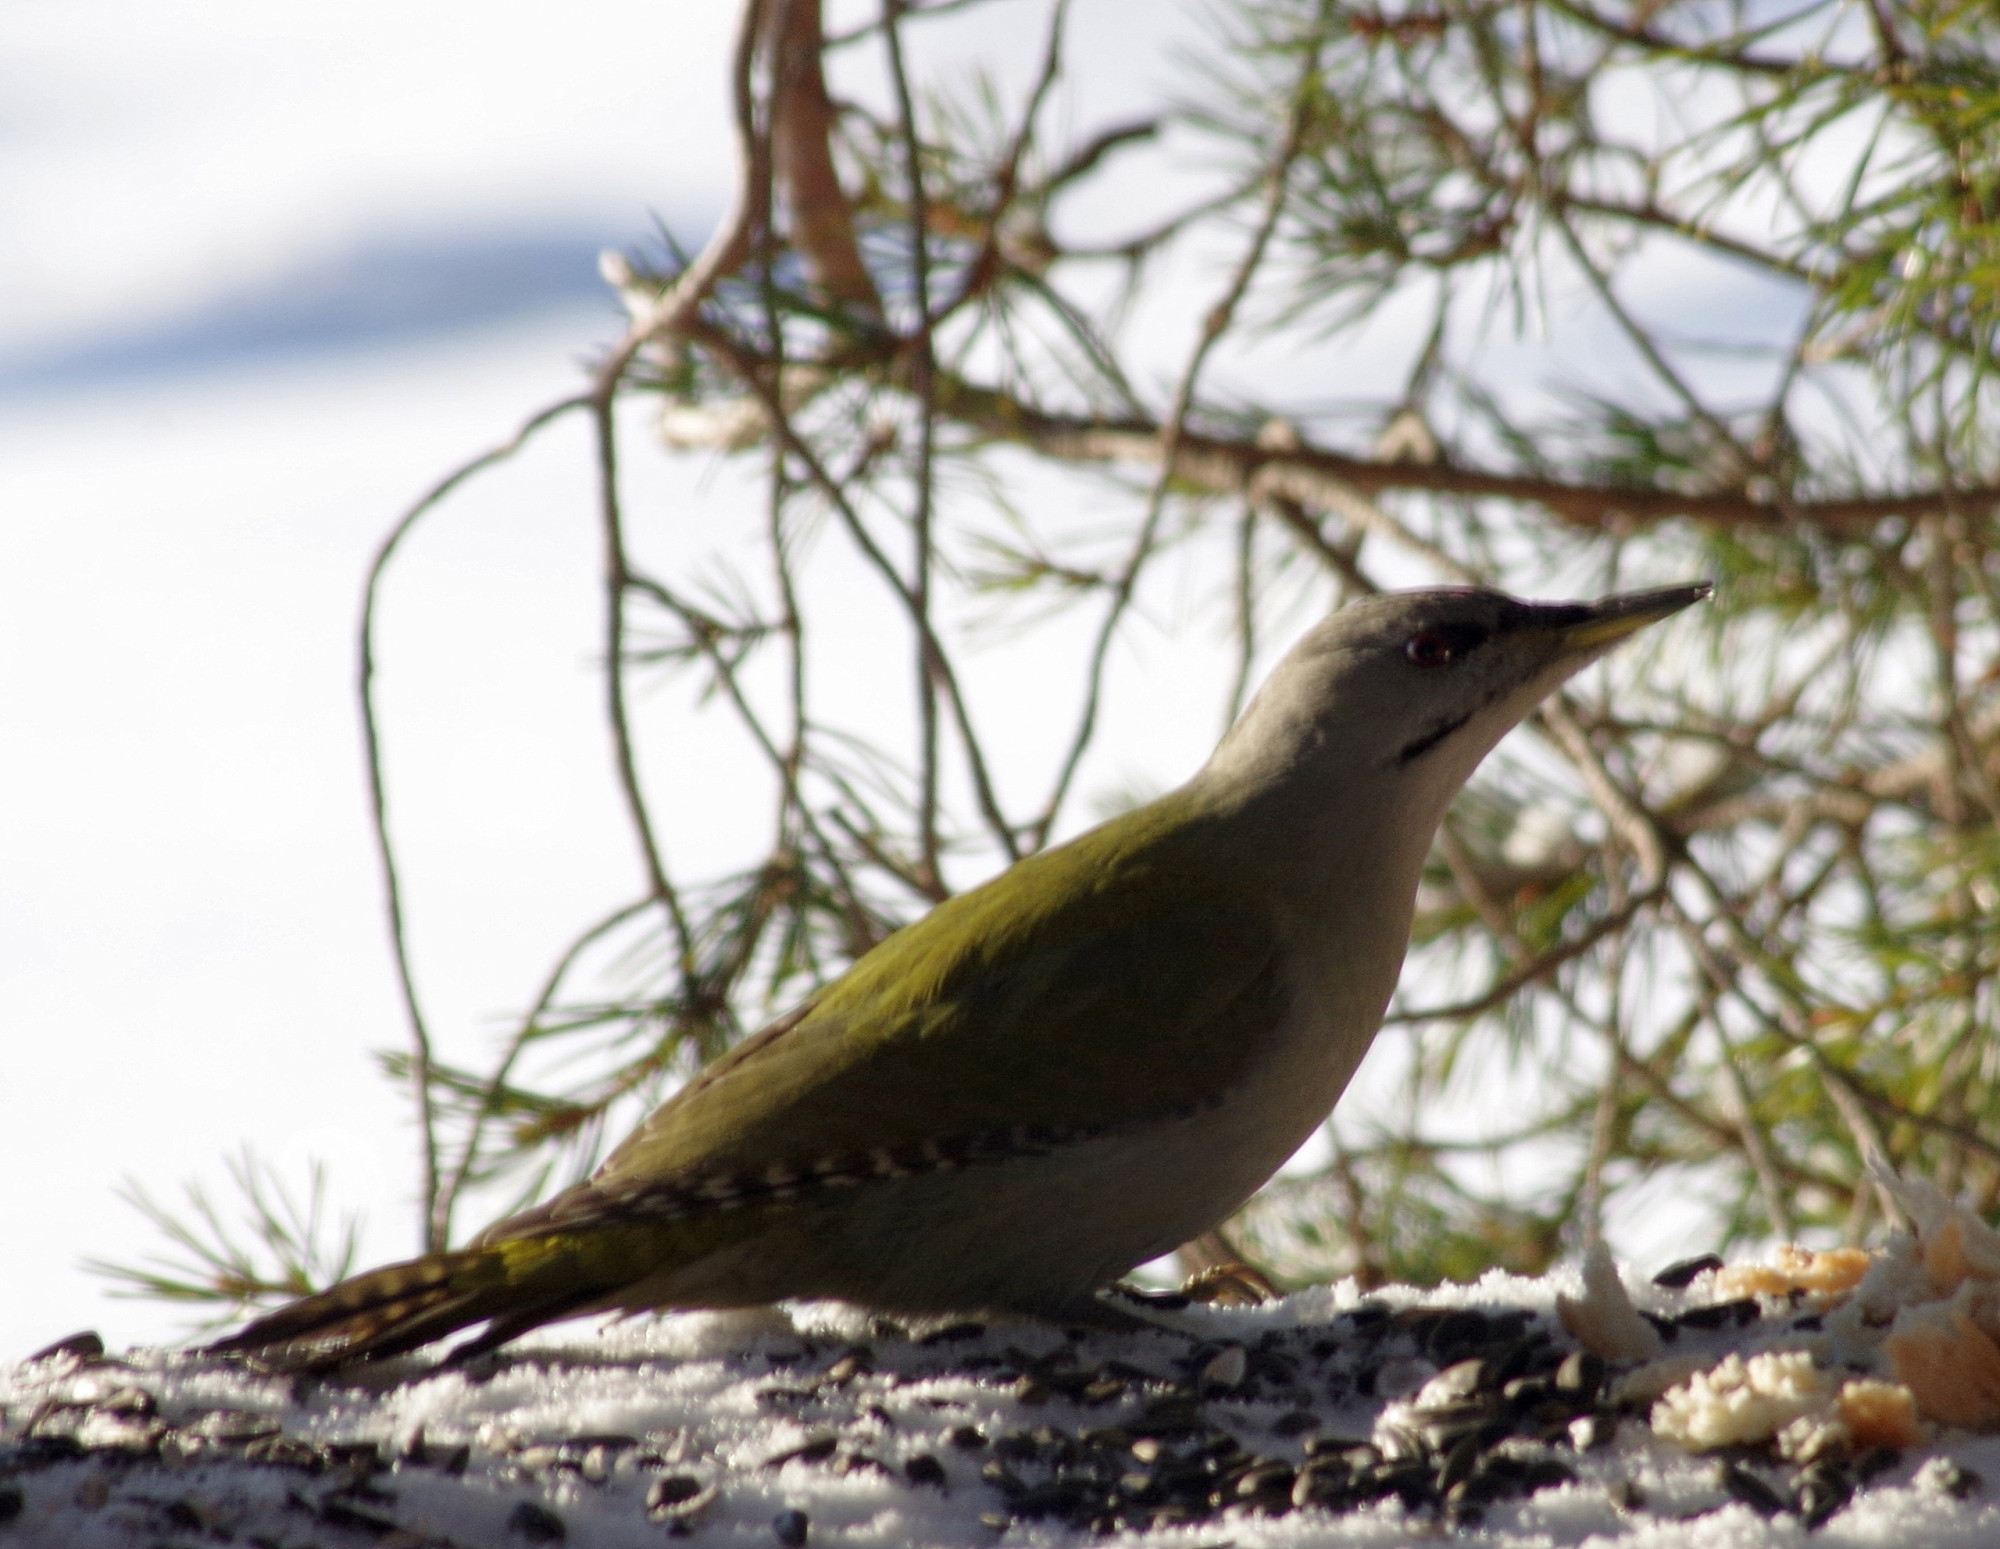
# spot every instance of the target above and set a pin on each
(1946, 1477)
(1685, 1272)
(536, 1523)
(1227, 1368)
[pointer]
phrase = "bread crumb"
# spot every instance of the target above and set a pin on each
(1949, 1364)
(1782, 1396)
(1878, 1414)
(1826, 1276)
(1743, 1402)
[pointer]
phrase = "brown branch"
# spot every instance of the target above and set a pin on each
(617, 584)
(1319, 478)
(664, 316)
(922, 358)
(802, 120)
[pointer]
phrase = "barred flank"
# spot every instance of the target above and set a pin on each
(376, 1313)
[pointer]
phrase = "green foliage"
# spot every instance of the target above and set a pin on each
(280, 1247)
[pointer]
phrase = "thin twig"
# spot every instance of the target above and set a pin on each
(1215, 323)
(435, 1231)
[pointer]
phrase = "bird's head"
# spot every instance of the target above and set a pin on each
(1404, 693)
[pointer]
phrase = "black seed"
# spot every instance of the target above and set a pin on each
(184, 1518)
(127, 1401)
(11, 1502)
(1367, 1315)
(790, 1528)
(536, 1523)
(1666, 1328)
(1948, 1477)
(924, 1468)
(997, 1474)
(455, 1460)
(1626, 1495)
(1266, 1478)
(338, 1513)
(1581, 1374)
(1722, 1314)
(49, 1449)
(1740, 1484)
(1294, 1422)
(1822, 1493)
(1354, 1456)
(87, 1344)
(236, 1425)
(1519, 1358)
(1321, 1483)
(1454, 1384)
(666, 1493)
(1458, 1462)
(1030, 1390)
(953, 1332)
(1048, 1500)
(1411, 1481)
(1588, 1432)
(1876, 1460)
(1455, 1335)
(1684, 1271)
(1545, 1474)
(816, 1450)
(967, 1438)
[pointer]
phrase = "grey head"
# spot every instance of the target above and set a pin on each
(1404, 693)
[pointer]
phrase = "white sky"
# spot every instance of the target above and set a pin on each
(190, 948)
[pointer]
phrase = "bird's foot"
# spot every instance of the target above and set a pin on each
(1229, 1285)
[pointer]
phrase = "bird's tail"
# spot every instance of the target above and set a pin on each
(395, 1309)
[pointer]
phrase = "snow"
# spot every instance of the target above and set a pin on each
(757, 1427)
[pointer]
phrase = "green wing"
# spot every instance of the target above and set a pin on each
(1124, 976)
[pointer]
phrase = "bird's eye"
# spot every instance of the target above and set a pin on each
(1430, 648)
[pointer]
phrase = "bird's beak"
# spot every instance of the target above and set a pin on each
(1613, 618)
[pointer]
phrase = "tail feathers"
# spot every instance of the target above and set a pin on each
(389, 1311)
